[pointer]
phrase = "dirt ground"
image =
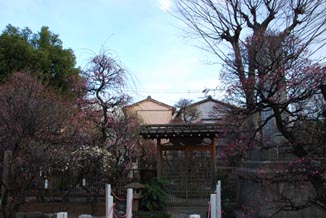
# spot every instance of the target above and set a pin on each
(74, 209)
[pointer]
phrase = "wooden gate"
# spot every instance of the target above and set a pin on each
(189, 177)
(186, 159)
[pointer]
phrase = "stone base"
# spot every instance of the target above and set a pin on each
(271, 153)
(271, 188)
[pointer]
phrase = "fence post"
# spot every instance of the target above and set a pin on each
(109, 214)
(218, 200)
(107, 199)
(213, 205)
(62, 215)
(129, 203)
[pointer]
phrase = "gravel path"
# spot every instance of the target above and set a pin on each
(185, 212)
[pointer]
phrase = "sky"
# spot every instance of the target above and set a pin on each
(141, 34)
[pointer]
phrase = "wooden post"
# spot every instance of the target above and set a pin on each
(186, 152)
(213, 160)
(129, 203)
(159, 158)
(218, 200)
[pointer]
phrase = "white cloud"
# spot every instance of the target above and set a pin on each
(165, 4)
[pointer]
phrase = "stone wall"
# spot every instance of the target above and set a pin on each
(274, 189)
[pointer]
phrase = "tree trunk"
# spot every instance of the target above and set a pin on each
(7, 174)
(318, 183)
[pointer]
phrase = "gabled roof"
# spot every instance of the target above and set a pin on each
(209, 98)
(149, 98)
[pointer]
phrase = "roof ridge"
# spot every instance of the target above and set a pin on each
(149, 98)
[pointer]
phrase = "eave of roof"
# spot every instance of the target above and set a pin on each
(180, 131)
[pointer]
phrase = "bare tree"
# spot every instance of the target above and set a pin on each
(186, 113)
(229, 23)
(225, 25)
(266, 47)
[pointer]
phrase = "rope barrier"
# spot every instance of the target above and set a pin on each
(128, 212)
(118, 198)
(110, 211)
(119, 216)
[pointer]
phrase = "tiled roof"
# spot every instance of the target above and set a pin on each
(181, 131)
(152, 100)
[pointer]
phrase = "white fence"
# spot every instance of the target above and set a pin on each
(214, 205)
(215, 202)
(109, 204)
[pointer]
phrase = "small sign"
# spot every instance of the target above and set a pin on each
(46, 183)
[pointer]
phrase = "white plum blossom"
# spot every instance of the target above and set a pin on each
(91, 155)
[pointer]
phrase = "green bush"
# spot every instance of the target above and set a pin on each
(155, 195)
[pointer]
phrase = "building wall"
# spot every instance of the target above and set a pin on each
(151, 112)
(207, 114)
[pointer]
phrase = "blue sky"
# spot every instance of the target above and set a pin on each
(142, 35)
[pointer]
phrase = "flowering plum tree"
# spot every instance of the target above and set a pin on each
(105, 82)
(35, 130)
(267, 48)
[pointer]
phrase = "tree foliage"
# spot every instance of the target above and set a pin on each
(155, 195)
(41, 53)
(84, 136)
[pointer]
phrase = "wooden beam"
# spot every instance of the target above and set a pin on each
(159, 158)
(213, 160)
(187, 148)
(176, 130)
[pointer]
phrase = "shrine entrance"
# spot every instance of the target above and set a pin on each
(190, 177)
(186, 159)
